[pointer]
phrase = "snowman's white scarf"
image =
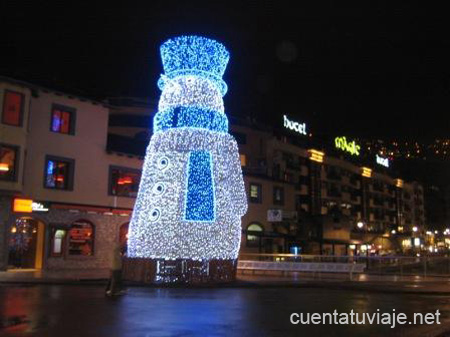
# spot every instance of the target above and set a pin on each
(191, 139)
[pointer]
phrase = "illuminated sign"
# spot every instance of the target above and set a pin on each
(274, 215)
(295, 126)
(39, 207)
(22, 205)
(315, 155)
(366, 172)
(344, 145)
(399, 183)
(383, 161)
(28, 206)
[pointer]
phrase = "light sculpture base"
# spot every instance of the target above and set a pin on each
(179, 271)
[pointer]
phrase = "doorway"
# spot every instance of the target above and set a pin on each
(123, 237)
(26, 244)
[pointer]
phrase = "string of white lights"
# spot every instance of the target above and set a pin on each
(191, 195)
(158, 228)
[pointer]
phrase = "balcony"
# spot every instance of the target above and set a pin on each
(377, 202)
(333, 175)
(255, 170)
(293, 165)
(303, 189)
(355, 182)
(378, 187)
(355, 198)
(334, 193)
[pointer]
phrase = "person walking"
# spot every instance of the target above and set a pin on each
(114, 286)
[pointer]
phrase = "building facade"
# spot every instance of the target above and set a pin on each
(70, 170)
(305, 196)
(65, 199)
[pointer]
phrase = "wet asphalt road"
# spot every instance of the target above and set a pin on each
(64, 310)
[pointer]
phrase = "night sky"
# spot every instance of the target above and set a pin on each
(378, 70)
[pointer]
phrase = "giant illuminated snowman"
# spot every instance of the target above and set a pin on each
(187, 216)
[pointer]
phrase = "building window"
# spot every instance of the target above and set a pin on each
(288, 177)
(81, 238)
(12, 108)
(278, 195)
(254, 232)
(63, 119)
(123, 181)
(59, 173)
(57, 244)
(255, 193)
(8, 162)
(243, 159)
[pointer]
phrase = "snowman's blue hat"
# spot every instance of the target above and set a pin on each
(194, 55)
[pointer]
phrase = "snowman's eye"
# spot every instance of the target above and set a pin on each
(159, 188)
(154, 214)
(163, 162)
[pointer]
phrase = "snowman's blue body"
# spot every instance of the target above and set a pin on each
(192, 196)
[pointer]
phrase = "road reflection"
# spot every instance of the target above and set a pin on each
(84, 311)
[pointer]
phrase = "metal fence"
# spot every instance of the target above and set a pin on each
(377, 265)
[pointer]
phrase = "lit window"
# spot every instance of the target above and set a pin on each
(8, 158)
(81, 238)
(254, 232)
(243, 160)
(255, 193)
(124, 182)
(278, 195)
(57, 242)
(59, 173)
(12, 108)
(63, 120)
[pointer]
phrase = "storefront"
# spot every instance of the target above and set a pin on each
(26, 243)
(62, 236)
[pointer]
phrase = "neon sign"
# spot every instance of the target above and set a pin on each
(366, 172)
(383, 161)
(315, 155)
(28, 206)
(39, 207)
(344, 145)
(295, 126)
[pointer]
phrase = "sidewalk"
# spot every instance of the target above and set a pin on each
(362, 282)
(74, 276)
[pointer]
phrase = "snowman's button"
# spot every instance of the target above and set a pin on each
(159, 188)
(154, 214)
(163, 162)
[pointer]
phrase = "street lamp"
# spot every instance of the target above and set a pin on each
(414, 229)
(360, 224)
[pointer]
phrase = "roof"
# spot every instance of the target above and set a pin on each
(34, 86)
